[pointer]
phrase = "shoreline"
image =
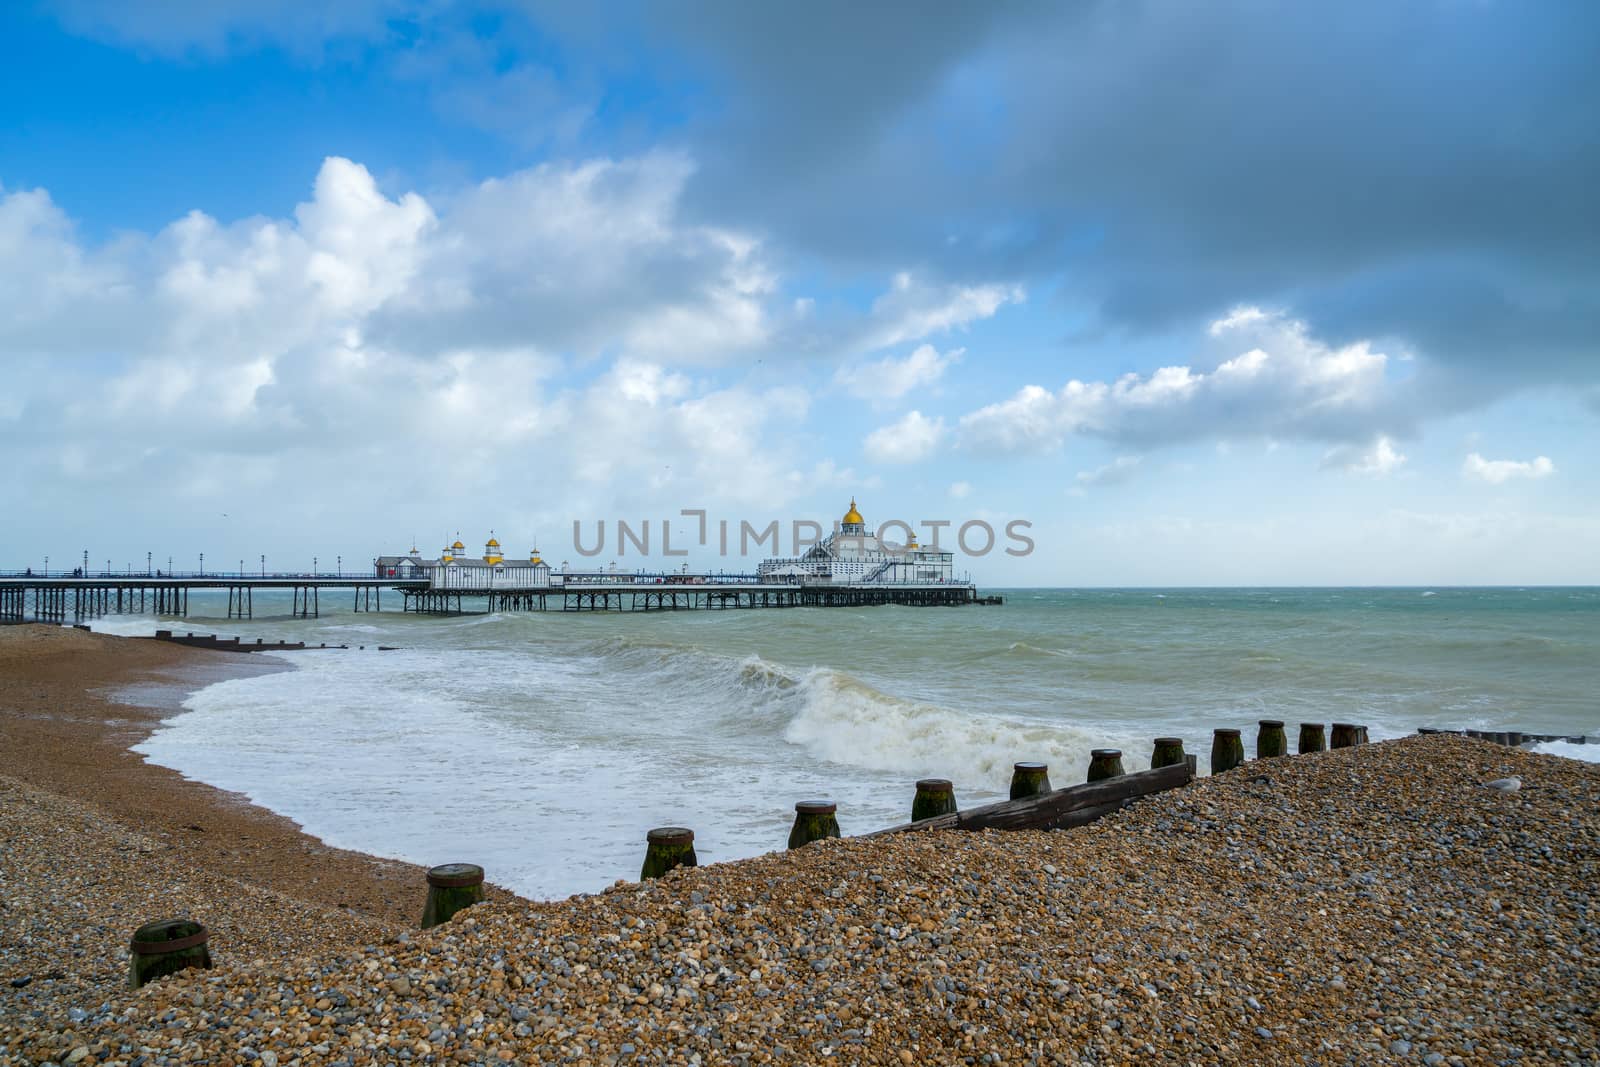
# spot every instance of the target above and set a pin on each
(73, 703)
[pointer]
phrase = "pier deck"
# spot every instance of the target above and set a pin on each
(59, 598)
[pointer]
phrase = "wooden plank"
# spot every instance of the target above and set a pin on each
(1059, 809)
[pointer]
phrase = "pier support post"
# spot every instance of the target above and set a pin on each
(1313, 738)
(1167, 751)
(166, 947)
(1346, 735)
(668, 847)
(935, 796)
(1227, 750)
(1029, 780)
(813, 821)
(1271, 740)
(1105, 763)
(451, 887)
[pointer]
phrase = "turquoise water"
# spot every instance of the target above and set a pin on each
(566, 736)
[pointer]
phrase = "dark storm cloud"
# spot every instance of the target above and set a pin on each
(1425, 170)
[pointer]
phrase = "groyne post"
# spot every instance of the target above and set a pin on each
(813, 821)
(1029, 780)
(1167, 751)
(667, 847)
(1313, 738)
(935, 796)
(1346, 735)
(451, 887)
(1105, 763)
(1227, 750)
(166, 947)
(1270, 739)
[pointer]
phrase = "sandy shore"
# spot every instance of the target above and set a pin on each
(1371, 905)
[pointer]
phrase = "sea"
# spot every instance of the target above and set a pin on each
(544, 746)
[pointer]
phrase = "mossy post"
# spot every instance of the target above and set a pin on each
(1105, 763)
(1346, 735)
(1313, 738)
(1029, 780)
(1271, 740)
(668, 847)
(451, 887)
(166, 947)
(1168, 751)
(813, 821)
(935, 796)
(1227, 750)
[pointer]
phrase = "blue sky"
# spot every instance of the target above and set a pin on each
(1248, 293)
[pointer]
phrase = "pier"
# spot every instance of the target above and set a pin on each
(74, 598)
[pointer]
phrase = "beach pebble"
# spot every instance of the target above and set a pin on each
(1505, 785)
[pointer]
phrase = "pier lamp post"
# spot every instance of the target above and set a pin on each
(241, 568)
(263, 564)
(202, 564)
(313, 566)
(86, 563)
(47, 566)
(169, 566)
(147, 562)
(338, 565)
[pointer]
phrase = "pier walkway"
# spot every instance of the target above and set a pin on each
(73, 597)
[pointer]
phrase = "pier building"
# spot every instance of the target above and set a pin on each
(855, 555)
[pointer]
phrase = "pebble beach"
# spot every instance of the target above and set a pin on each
(1379, 904)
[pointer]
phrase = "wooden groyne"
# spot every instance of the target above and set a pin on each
(234, 644)
(455, 886)
(1512, 737)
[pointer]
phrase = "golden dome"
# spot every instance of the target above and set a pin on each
(853, 516)
(492, 543)
(458, 546)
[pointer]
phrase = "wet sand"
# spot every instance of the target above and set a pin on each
(71, 705)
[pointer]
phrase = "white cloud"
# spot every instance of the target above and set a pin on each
(960, 490)
(912, 438)
(1497, 471)
(1378, 458)
(912, 310)
(1284, 383)
(890, 378)
(1119, 470)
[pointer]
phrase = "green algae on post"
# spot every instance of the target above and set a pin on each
(1029, 780)
(1227, 750)
(1271, 740)
(668, 847)
(813, 821)
(1168, 751)
(935, 796)
(451, 887)
(1105, 763)
(1313, 738)
(166, 947)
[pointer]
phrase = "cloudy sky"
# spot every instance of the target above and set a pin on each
(1234, 293)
